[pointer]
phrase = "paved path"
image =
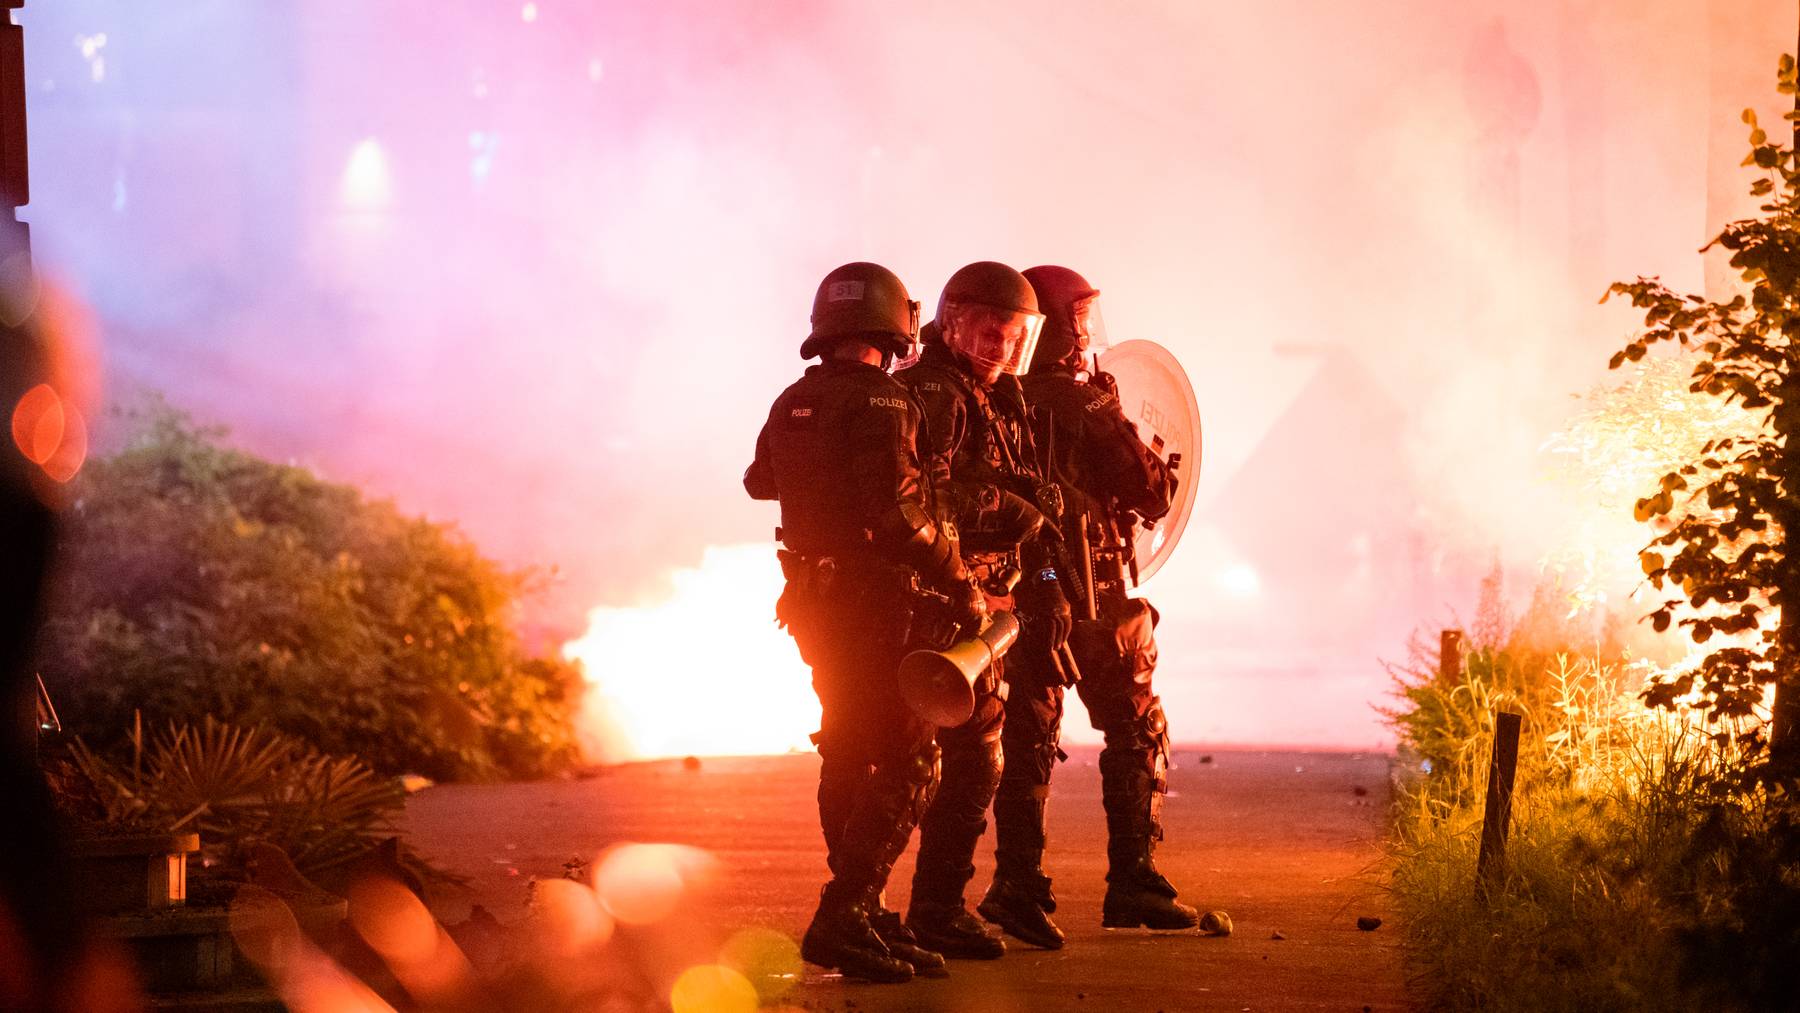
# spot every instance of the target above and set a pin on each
(1281, 840)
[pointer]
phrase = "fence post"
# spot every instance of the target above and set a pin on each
(1498, 817)
(1449, 654)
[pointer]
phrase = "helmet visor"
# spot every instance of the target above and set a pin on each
(993, 340)
(907, 350)
(1089, 326)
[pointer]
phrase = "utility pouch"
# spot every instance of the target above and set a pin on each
(1136, 629)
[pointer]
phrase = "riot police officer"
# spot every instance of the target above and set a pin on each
(870, 575)
(1108, 480)
(975, 442)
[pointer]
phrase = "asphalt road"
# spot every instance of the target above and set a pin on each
(1286, 842)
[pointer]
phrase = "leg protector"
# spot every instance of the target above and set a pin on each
(881, 821)
(1134, 778)
(1134, 769)
(957, 817)
(843, 778)
(1029, 744)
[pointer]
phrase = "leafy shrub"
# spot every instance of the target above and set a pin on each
(196, 579)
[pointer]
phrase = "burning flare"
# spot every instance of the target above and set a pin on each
(703, 672)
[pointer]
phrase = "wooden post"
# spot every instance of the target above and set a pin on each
(1450, 655)
(1498, 818)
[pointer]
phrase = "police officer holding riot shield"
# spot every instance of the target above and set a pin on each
(976, 443)
(871, 575)
(1105, 480)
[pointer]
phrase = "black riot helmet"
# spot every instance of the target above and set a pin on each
(1072, 325)
(988, 315)
(863, 301)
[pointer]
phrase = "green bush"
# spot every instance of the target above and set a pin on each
(195, 579)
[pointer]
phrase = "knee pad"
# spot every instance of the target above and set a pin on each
(1147, 734)
(924, 774)
(977, 775)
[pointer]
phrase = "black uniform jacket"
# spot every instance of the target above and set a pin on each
(838, 452)
(1095, 448)
(972, 437)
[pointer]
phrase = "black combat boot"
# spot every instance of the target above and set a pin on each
(1138, 895)
(1020, 901)
(901, 942)
(1021, 905)
(840, 938)
(951, 930)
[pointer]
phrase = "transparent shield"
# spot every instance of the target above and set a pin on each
(1156, 396)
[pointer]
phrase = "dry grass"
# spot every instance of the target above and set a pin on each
(1640, 874)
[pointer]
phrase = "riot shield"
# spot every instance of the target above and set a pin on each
(1157, 397)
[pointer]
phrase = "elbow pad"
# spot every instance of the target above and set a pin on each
(924, 544)
(1016, 516)
(759, 482)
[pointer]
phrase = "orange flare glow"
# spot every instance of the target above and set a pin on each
(704, 672)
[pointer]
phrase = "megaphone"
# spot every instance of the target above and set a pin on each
(940, 685)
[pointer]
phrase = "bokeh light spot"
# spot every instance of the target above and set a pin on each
(393, 921)
(38, 423)
(569, 916)
(769, 960)
(711, 988)
(367, 184)
(643, 883)
(71, 453)
(1240, 580)
(264, 929)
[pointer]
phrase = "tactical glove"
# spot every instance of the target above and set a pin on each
(1041, 599)
(970, 611)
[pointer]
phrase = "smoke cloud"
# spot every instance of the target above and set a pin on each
(540, 268)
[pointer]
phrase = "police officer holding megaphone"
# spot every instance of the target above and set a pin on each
(975, 442)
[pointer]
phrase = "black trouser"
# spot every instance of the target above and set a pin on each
(1117, 655)
(879, 763)
(957, 818)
